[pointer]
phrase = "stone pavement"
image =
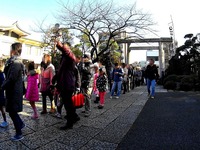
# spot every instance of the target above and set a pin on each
(104, 129)
(169, 122)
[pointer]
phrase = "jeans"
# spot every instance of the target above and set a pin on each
(151, 84)
(69, 107)
(18, 123)
(119, 85)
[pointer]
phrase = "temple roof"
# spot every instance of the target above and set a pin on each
(15, 28)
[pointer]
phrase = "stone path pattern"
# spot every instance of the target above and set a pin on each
(104, 129)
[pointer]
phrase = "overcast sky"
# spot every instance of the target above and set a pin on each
(185, 14)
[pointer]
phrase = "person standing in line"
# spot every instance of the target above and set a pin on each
(66, 83)
(151, 73)
(101, 84)
(13, 85)
(46, 76)
(4, 124)
(85, 84)
(117, 76)
(125, 78)
(95, 89)
(32, 93)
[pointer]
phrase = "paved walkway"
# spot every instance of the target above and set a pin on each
(104, 129)
(170, 122)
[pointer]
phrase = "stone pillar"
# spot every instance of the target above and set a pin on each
(161, 58)
(128, 53)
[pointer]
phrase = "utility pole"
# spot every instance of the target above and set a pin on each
(172, 33)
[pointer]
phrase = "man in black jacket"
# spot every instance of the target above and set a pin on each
(151, 73)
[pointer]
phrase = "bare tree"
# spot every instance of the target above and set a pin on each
(97, 19)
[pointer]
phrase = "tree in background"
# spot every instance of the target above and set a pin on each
(183, 72)
(63, 34)
(95, 17)
(186, 60)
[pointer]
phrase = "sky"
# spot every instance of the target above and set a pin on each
(185, 15)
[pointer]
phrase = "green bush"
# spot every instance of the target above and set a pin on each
(170, 85)
(171, 78)
(186, 86)
(188, 82)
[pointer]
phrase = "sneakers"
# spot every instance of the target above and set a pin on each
(152, 97)
(16, 138)
(4, 124)
(115, 97)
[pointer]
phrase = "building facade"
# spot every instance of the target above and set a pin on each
(31, 48)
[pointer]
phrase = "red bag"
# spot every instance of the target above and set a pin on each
(78, 100)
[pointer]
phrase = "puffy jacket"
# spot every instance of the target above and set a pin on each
(46, 77)
(32, 93)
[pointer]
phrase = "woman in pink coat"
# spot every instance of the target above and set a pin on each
(32, 93)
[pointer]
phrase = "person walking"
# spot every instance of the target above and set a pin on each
(4, 124)
(13, 86)
(101, 84)
(46, 76)
(66, 84)
(151, 73)
(117, 76)
(32, 93)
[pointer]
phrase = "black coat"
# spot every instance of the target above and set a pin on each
(151, 72)
(13, 85)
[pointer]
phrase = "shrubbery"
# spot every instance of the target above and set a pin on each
(181, 82)
(170, 78)
(170, 85)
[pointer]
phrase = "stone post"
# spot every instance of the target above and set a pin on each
(161, 58)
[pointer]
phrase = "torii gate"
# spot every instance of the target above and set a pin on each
(160, 42)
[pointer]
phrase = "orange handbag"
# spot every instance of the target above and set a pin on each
(78, 100)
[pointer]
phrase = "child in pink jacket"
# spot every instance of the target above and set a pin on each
(32, 93)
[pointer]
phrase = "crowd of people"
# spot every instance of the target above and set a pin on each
(74, 75)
